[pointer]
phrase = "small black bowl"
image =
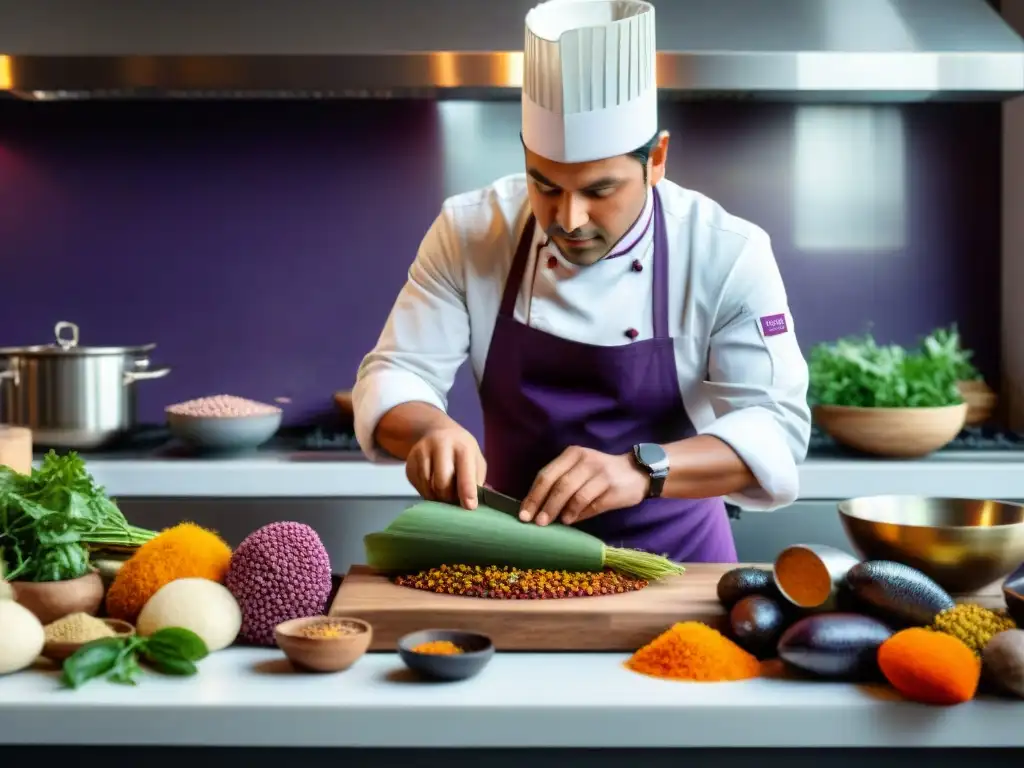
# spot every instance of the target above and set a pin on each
(1013, 593)
(477, 651)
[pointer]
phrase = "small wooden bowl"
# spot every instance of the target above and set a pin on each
(58, 651)
(981, 401)
(322, 654)
(477, 652)
(52, 600)
(904, 433)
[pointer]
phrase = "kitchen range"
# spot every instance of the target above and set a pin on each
(70, 396)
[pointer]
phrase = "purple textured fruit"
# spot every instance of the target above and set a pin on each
(279, 572)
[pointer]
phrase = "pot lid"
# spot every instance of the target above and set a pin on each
(68, 345)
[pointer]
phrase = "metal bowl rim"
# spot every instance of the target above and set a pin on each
(844, 511)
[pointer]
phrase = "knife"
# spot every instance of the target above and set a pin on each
(499, 501)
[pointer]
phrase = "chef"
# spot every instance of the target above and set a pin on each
(636, 359)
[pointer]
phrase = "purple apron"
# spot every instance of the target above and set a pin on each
(542, 394)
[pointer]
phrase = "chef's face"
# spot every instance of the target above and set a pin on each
(585, 208)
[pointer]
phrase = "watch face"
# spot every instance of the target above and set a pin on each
(652, 454)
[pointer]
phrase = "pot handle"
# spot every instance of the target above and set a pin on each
(130, 377)
(11, 375)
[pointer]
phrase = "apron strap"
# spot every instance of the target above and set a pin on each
(515, 275)
(660, 278)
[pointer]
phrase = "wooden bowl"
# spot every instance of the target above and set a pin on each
(981, 401)
(52, 600)
(903, 433)
(58, 651)
(322, 654)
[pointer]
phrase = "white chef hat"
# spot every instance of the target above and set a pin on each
(589, 89)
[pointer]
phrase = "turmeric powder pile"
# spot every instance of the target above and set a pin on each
(694, 651)
(438, 647)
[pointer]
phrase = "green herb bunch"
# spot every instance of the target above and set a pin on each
(857, 371)
(172, 651)
(51, 519)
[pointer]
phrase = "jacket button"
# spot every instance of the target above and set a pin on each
(637, 266)
(552, 262)
(632, 333)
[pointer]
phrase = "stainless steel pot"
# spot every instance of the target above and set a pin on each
(70, 396)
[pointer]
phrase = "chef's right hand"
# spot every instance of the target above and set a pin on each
(446, 464)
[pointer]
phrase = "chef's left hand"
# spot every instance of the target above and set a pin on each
(582, 483)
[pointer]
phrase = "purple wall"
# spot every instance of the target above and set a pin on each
(261, 245)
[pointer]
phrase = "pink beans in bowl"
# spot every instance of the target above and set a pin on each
(223, 422)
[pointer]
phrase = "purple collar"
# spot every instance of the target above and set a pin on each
(637, 233)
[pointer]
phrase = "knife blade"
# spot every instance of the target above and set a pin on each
(498, 501)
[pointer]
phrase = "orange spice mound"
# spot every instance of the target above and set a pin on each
(930, 667)
(182, 552)
(694, 651)
(438, 647)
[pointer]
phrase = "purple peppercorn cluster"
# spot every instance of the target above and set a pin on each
(279, 572)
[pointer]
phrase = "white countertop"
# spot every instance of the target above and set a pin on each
(325, 475)
(250, 697)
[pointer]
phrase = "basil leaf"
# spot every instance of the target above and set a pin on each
(92, 660)
(178, 641)
(126, 669)
(171, 665)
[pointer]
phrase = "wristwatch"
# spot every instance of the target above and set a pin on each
(652, 459)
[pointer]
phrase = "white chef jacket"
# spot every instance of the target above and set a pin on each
(747, 388)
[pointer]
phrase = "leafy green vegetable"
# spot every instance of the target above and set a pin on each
(51, 519)
(857, 371)
(171, 651)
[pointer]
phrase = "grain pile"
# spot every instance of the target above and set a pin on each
(507, 583)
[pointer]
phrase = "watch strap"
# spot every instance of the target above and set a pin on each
(658, 479)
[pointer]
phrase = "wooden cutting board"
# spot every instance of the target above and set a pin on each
(607, 623)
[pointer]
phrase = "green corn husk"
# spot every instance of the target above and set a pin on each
(431, 534)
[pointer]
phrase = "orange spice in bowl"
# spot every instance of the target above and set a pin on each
(438, 647)
(809, 575)
(323, 643)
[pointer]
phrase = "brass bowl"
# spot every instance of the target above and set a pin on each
(963, 544)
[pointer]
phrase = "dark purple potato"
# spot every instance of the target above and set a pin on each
(896, 593)
(835, 645)
(756, 623)
(744, 582)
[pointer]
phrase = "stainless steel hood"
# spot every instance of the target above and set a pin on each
(788, 50)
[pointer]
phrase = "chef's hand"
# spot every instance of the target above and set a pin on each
(446, 465)
(582, 483)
